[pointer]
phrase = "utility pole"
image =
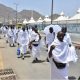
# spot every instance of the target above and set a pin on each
(4, 20)
(16, 12)
(52, 12)
(8, 18)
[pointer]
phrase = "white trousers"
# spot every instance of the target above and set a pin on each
(23, 48)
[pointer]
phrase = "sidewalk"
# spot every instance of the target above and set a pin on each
(1, 62)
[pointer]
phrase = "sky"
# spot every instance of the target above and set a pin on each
(69, 7)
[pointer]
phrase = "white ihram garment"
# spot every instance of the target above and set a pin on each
(15, 34)
(6, 35)
(11, 36)
(19, 36)
(67, 38)
(35, 49)
(72, 52)
(60, 54)
(50, 38)
(24, 41)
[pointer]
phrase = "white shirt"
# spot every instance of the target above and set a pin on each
(24, 38)
(50, 38)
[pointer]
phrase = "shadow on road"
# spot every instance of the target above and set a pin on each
(72, 78)
(2, 47)
(27, 56)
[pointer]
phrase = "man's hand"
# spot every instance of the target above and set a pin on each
(52, 47)
(30, 47)
(69, 45)
(50, 52)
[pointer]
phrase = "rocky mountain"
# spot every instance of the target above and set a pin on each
(55, 16)
(7, 13)
(29, 13)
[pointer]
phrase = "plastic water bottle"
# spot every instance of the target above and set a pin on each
(18, 51)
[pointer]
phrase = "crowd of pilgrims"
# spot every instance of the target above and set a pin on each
(25, 39)
(29, 39)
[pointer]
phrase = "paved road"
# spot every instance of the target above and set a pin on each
(25, 70)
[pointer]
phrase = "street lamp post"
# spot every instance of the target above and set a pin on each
(8, 18)
(52, 12)
(16, 12)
